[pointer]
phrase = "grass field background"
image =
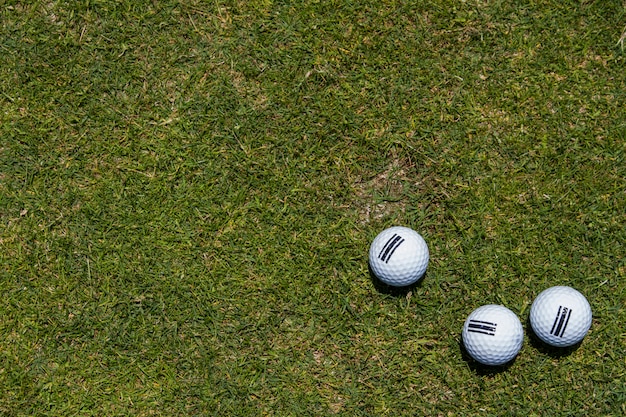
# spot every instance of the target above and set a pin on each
(188, 191)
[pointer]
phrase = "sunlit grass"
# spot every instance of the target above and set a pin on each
(188, 192)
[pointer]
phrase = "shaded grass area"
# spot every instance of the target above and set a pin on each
(188, 192)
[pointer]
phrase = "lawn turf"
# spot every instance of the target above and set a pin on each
(188, 191)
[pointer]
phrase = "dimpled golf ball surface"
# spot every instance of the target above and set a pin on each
(493, 335)
(399, 256)
(560, 316)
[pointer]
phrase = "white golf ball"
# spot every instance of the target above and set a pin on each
(399, 256)
(560, 316)
(493, 335)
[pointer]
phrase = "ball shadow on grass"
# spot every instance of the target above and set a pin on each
(479, 368)
(552, 351)
(383, 288)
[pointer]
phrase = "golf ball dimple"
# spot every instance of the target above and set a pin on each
(399, 256)
(560, 316)
(493, 335)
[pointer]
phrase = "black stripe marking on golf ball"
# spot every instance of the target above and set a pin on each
(560, 321)
(484, 327)
(390, 247)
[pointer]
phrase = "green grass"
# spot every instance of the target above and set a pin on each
(188, 191)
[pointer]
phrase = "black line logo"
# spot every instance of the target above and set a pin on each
(390, 247)
(484, 327)
(560, 321)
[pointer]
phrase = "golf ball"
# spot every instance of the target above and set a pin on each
(493, 335)
(560, 316)
(399, 256)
